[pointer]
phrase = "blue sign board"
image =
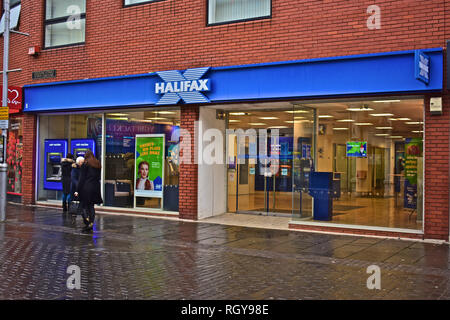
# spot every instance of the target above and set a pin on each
(369, 74)
(186, 86)
(54, 151)
(422, 66)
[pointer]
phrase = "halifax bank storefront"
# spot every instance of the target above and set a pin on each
(344, 140)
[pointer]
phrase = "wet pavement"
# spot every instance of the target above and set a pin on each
(128, 257)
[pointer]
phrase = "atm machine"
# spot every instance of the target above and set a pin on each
(79, 147)
(54, 151)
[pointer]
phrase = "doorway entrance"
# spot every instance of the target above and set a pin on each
(270, 155)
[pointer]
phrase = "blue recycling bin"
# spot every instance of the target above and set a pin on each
(321, 189)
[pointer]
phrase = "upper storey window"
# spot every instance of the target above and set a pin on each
(226, 11)
(65, 22)
(133, 2)
(14, 6)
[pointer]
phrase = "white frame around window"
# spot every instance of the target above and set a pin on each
(63, 19)
(240, 10)
(128, 3)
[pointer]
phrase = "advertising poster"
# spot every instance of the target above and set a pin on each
(413, 150)
(149, 173)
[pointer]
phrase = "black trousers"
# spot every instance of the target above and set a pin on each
(88, 212)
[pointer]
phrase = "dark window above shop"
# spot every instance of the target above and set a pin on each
(15, 7)
(228, 11)
(65, 22)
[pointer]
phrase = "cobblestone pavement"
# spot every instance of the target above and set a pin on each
(147, 258)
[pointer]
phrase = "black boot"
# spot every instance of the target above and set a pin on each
(88, 228)
(64, 206)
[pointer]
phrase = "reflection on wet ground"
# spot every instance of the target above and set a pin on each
(130, 257)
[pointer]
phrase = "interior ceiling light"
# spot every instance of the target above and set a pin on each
(393, 119)
(363, 124)
(404, 119)
(382, 134)
(340, 128)
(386, 101)
(346, 120)
(256, 124)
(239, 113)
(416, 122)
(360, 109)
(278, 127)
(383, 128)
(137, 120)
(232, 120)
(156, 118)
(118, 119)
(164, 112)
(417, 131)
(381, 114)
(268, 118)
(296, 118)
(117, 114)
(297, 111)
(325, 116)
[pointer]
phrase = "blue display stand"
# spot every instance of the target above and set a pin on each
(320, 188)
(79, 147)
(54, 151)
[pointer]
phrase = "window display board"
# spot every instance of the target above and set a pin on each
(413, 151)
(149, 169)
(54, 151)
(79, 147)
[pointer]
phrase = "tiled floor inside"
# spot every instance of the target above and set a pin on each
(386, 212)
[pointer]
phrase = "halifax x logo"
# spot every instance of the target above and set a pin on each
(174, 77)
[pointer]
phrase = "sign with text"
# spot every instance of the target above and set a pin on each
(4, 113)
(413, 150)
(4, 124)
(422, 66)
(14, 98)
(186, 87)
(149, 167)
(46, 74)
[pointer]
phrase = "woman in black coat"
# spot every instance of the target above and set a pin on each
(66, 168)
(75, 176)
(88, 189)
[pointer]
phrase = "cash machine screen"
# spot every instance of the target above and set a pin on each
(80, 152)
(54, 166)
(54, 158)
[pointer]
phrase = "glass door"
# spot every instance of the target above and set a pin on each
(304, 143)
(260, 154)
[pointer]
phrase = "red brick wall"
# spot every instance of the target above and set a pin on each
(437, 155)
(29, 158)
(188, 169)
(171, 34)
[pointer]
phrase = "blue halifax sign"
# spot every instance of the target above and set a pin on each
(186, 86)
(422, 66)
(412, 71)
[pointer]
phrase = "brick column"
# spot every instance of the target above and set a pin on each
(29, 158)
(437, 157)
(188, 185)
